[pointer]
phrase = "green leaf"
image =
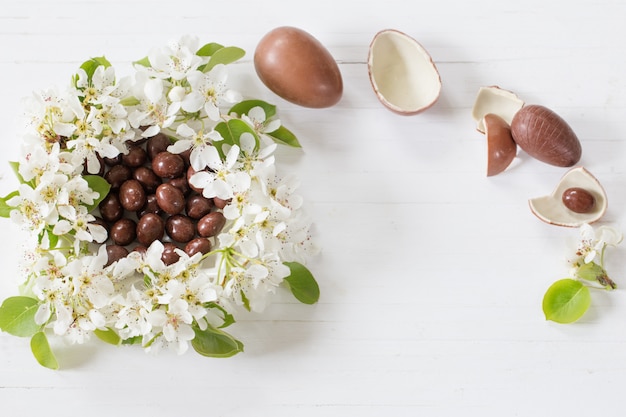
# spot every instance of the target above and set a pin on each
(130, 101)
(15, 166)
(52, 238)
(566, 301)
(136, 340)
(99, 185)
(109, 336)
(284, 136)
(209, 49)
(226, 55)
(302, 283)
(243, 107)
(231, 131)
(227, 136)
(215, 343)
(42, 352)
(5, 208)
(91, 65)
(280, 135)
(144, 62)
(17, 316)
(244, 300)
(227, 318)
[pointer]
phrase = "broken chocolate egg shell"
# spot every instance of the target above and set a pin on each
(298, 68)
(544, 135)
(501, 148)
(402, 73)
(495, 100)
(551, 208)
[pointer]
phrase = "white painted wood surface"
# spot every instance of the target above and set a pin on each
(431, 273)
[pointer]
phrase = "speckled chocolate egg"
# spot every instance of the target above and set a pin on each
(544, 135)
(297, 67)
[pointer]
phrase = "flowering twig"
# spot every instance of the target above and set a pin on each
(74, 288)
(568, 299)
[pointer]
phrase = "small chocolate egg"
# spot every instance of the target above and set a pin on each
(298, 68)
(544, 135)
(578, 200)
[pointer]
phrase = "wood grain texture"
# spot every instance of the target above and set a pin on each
(431, 273)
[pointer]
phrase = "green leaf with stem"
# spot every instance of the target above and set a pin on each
(231, 131)
(566, 301)
(130, 101)
(15, 166)
(17, 316)
(99, 185)
(227, 318)
(302, 283)
(281, 135)
(144, 62)
(136, 340)
(5, 208)
(244, 300)
(243, 107)
(91, 65)
(284, 136)
(226, 55)
(53, 239)
(209, 49)
(41, 350)
(108, 335)
(215, 343)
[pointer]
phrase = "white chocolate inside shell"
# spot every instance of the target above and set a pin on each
(551, 209)
(495, 100)
(402, 73)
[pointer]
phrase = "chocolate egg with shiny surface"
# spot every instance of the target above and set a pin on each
(544, 135)
(170, 199)
(578, 200)
(115, 253)
(123, 232)
(150, 227)
(199, 244)
(132, 195)
(297, 67)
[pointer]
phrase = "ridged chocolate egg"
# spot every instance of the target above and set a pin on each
(544, 135)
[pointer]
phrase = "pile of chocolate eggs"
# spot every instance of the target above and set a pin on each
(151, 199)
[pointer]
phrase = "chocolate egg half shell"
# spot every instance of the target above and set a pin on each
(501, 148)
(554, 210)
(495, 100)
(544, 135)
(298, 68)
(402, 73)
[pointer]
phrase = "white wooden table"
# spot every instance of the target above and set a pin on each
(432, 274)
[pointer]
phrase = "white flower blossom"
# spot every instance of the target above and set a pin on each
(140, 297)
(224, 179)
(208, 92)
(593, 241)
(200, 143)
(257, 119)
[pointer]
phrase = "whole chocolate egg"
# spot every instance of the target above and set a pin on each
(544, 135)
(298, 68)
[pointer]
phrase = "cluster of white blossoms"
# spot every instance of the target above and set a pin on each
(181, 91)
(588, 260)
